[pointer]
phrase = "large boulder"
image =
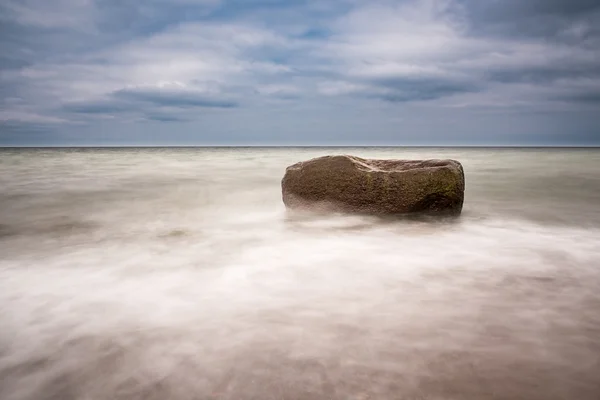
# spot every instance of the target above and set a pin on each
(353, 184)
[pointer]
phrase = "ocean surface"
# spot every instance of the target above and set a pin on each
(176, 273)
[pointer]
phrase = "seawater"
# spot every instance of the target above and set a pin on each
(176, 273)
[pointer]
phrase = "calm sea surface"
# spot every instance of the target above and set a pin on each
(176, 273)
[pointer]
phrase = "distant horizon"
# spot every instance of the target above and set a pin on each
(304, 146)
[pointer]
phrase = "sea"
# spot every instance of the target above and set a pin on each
(178, 274)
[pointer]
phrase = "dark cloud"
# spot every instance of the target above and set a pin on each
(563, 37)
(549, 19)
(541, 75)
(148, 102)
(585, 97)
(402, 89)
(511, 9)
(135, 18)
(99, 107)
(175, 98)
(165, 117)
(13, 54)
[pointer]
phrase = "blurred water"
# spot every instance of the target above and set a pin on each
(177, 274)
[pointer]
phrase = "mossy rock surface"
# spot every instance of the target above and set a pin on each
(353, 184)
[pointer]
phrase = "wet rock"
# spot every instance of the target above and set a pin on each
(352, 184)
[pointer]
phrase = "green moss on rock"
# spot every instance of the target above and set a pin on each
(348, 183)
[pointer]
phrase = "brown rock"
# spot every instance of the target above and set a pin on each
(353, 184)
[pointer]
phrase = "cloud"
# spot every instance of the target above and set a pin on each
(400, 89)
(428, 50)
(398, 53)
(217, 61)
(589, 98)
(174, 97)
(560, 20)
(166, 102)
(281, 91)
(164, 117)
(44, 14)
(336, 88)
(98, 107)
(580, 90)
(185, 66)
(14, 116)
(512, 9)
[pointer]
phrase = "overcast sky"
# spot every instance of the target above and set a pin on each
(306, 72)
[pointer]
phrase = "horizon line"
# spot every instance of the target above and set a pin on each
(291, 146)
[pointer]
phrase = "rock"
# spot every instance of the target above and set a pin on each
(352, 184)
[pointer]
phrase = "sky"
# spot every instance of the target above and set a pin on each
(299, 72)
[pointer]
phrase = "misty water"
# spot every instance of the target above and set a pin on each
(178, 274)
